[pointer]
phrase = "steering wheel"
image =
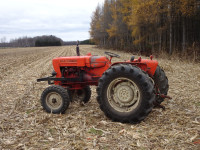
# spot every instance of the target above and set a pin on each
(112, 54)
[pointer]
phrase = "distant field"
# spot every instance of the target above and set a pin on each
(24, 125)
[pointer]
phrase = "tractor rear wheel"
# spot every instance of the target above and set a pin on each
(161, 84)
(125, 94)
(81, 94)
(55, 99)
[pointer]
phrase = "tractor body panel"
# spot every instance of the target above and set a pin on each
(76, 72)
(146, 65)
(80, 70)
(79, 61)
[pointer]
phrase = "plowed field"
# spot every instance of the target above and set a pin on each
(24, 124)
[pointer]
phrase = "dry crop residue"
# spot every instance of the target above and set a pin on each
(24, 125)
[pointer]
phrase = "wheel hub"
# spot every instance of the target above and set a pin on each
(123, 94)
(54, 100)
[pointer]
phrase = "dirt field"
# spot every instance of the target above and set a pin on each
(24, 125)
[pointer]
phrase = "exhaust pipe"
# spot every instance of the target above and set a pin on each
(77, 49)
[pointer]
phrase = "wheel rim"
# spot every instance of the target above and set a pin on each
(123, 94)
(54, 100)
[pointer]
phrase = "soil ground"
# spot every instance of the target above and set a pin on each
(25, 125)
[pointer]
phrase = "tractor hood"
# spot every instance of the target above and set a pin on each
(81, 61)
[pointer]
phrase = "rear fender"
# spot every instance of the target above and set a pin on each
(151, 66)
(146, 65)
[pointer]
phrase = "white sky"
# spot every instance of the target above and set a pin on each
(67, 19)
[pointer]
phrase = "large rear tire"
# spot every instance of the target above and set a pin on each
(55, 99)
(125, 94)
(161, 84)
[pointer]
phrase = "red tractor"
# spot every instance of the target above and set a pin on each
(126, 91)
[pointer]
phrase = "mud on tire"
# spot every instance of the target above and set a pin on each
(125, 94)
(55, 99)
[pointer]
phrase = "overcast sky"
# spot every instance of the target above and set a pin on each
(67, 19)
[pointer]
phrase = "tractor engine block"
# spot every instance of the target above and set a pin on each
(76, 74)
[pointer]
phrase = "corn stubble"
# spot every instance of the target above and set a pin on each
(24, 125)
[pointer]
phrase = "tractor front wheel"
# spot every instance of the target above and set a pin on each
(55, 99)
(125, 94)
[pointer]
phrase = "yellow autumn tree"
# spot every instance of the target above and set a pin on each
(148, 25)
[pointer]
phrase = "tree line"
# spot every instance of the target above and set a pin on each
(38, 41)
(147, 26)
